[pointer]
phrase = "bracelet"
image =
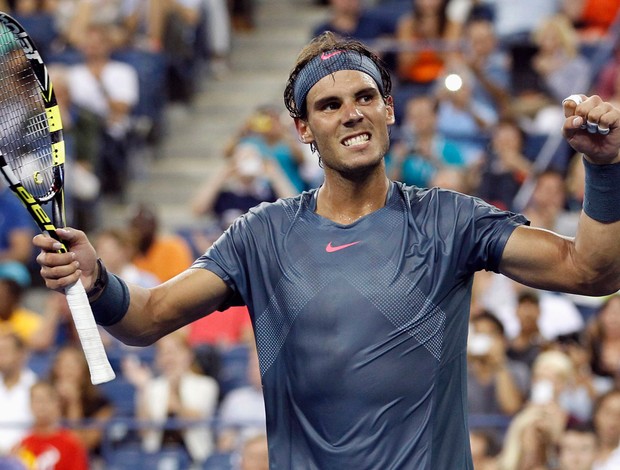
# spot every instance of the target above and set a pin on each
(602, 192)
(100, 283)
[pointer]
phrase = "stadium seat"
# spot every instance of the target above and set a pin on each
(122, 394)
(219, 461)
(233, 368)
(132, 459)
(40, 362)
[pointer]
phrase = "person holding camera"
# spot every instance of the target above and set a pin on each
(497, 384)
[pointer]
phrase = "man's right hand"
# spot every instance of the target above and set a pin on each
(60, 270)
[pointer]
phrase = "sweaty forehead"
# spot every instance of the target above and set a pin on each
(340, 84)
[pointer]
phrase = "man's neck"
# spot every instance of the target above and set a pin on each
(345, 200)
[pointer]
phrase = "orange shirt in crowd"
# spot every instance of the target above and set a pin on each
(167, 257)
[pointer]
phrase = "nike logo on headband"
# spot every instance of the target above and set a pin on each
(329, 55)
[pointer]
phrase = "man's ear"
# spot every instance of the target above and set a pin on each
(389, 108)
(303, 131)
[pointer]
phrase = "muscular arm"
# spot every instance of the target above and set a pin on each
(155, 312)
(152, 313)
(588, 264)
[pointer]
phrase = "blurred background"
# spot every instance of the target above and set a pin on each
(175, 125)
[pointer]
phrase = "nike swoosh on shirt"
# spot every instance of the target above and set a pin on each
(330, 248)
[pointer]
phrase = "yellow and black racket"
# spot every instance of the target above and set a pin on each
(32, 158)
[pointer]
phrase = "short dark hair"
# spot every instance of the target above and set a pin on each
(487, 315)
(328, 41)
(528, 296)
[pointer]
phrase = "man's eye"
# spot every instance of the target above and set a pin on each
(330, 106)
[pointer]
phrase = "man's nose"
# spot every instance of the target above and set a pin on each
(352, 114)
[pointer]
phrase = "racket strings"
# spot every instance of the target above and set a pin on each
(24, 131)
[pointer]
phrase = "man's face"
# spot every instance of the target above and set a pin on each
(11, 356)
(607, 421)
(348, 122)
(577, 450)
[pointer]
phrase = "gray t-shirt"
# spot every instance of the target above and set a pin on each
(361, 329)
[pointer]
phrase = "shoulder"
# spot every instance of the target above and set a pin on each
(451, 206)
(280, 211)
(434, 195)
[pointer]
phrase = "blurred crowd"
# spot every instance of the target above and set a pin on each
(478, 86)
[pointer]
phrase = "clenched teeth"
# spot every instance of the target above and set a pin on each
(358, 139)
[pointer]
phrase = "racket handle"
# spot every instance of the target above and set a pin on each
(100, 369)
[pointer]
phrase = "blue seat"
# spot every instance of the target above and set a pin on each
(122, 394)
(233, 368)
(132, 459)
(219, 461)
(40, 362)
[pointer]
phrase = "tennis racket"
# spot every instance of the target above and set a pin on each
(32, 158)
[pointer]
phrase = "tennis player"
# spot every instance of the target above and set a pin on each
(359, 291)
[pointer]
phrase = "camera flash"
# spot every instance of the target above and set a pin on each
(453, 82)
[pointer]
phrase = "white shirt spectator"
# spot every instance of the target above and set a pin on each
(15, 410)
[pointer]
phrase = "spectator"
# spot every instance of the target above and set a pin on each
(163, 255)
(14, 316)
(504, 167)
(16, 228)
(604, 341)
(352, 19)
(453, 178)
(422, 150)
(79, 398)
(117, 248)
(245, 180)
(462, 118)
(547, 205)
(242, 412)
(559, 60)
(512, 25)
(534, 433)
(181, 21)
(556, 367)
(57, 328)
(221, 330)
(498, 294)
(425, 35)
(606, 418)
(497, 385)
(605, 82)
(48, 444)
(36, 18)
(276, 142)
(555, 67)
(177, 392)
(103, 92)
(218, 36)
(489, 65)
(585, 389)
(15, 382)
(578, 447)
(592, 18)
(483, 450)
(82, 185)
(529, 343)
(216, 334)
(254, 453)
(71, 20)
